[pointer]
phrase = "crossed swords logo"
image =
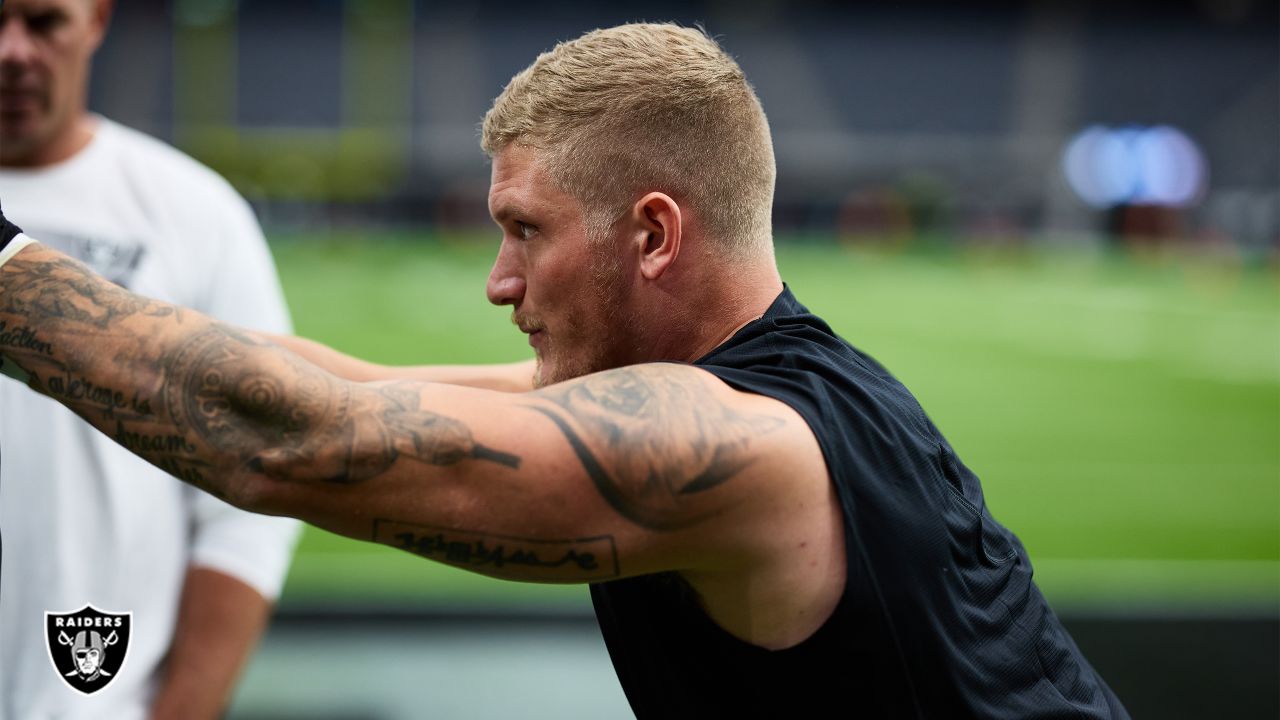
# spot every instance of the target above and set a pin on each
(88, 650)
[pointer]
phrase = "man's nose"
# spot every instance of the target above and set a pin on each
(506, 284)
(16, 45)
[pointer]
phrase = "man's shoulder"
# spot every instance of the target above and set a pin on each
(656, 437)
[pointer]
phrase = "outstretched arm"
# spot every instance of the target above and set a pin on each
(206, 402)
(504, 377)
(637, 470)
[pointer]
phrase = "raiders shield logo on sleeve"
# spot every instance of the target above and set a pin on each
(87, 647)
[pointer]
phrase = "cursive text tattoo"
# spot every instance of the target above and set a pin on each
(591, 559)
(24, 338)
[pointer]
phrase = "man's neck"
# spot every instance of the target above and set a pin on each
(742, 305)
(717, 311)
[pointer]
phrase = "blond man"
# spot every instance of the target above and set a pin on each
(770, 524)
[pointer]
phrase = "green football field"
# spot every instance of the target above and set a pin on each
(1123, 412)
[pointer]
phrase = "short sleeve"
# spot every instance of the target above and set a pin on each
(243, 287)
(256, 549)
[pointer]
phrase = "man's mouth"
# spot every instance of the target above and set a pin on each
(534, 329)
(18, 100)
(527, 325)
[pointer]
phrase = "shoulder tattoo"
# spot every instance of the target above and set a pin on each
(652, 437)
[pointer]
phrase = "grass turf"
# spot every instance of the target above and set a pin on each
(1124, 413)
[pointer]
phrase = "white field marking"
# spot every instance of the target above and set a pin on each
(342, 565)
(1216, 350)
(1239, 347)
(1128, 571)
(348, 571)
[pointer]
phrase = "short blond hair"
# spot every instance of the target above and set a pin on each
(643, 107)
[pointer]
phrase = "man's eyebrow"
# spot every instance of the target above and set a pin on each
(507, 211)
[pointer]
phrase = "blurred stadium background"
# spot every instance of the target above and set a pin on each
(1080, 201)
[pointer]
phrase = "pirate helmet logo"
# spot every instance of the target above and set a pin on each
(88, 647)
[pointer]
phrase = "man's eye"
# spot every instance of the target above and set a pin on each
(525, 230)
(45, 23)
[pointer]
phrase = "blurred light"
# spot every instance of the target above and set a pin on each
(1078, 164)
(1134, 165)
(1173, 168)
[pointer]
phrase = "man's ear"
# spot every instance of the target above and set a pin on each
(661, 225)
(102, 11)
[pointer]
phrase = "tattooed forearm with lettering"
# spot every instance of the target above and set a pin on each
(651, 440)
(203, 401)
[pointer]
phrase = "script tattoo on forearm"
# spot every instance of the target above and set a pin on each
(21, 337)
(204, 399)
(652, 437)
(590, 559)
(63, 296)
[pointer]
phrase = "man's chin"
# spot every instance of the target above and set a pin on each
(548, 374)
(551, 372)
(538, 370)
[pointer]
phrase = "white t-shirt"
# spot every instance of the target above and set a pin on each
(82, 521)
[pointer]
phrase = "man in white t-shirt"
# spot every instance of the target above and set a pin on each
(178, 585)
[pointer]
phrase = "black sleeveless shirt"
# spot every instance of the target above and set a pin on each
(939, 617)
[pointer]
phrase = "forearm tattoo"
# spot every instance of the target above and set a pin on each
(309, 421)
(650, 437)
(200, 399)
(65, 289)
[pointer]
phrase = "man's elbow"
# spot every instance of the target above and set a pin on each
(279, 480)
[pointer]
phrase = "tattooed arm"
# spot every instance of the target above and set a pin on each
(636, 470)
(506, 377)
(231, 414)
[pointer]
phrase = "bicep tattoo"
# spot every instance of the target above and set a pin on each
(650, 439)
